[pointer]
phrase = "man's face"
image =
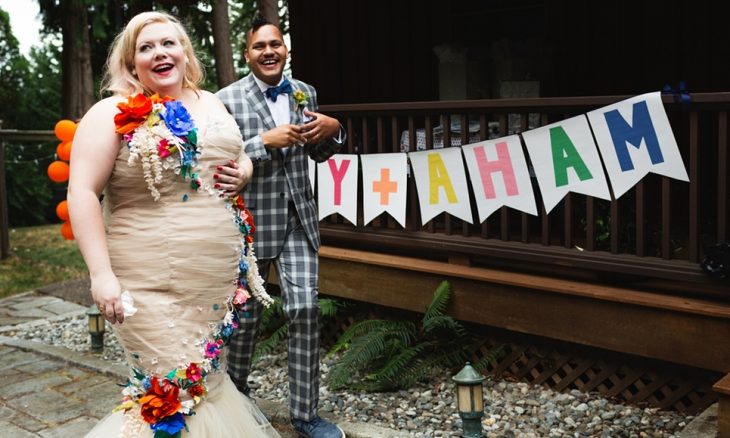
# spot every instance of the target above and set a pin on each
(266, 54)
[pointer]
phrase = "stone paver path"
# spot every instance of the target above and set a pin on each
(42, 396)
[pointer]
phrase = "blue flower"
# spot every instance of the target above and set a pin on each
(170, 425)
(178, 119)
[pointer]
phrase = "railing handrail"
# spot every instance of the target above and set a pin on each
(517, 104)
(27, 136)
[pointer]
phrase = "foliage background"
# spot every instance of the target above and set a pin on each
(31, 90)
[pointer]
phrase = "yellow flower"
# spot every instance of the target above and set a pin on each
(301, 98)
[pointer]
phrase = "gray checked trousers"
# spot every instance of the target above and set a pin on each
(298, 269)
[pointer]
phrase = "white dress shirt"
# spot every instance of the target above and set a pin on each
(280, 109)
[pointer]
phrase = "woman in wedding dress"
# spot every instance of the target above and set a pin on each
(169, 253)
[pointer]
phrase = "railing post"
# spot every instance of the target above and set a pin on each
(722, 388)
(4, 234)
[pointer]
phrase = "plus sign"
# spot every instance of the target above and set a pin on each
(385, 186)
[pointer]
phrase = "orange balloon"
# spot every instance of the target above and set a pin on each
(58, 171)
(62, 210)
(63, 150)
(66, 231)
(65, 130)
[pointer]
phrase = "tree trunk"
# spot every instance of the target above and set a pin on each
(77, 79)
(225, 72)
(269, 9)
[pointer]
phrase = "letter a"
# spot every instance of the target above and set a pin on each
(439, 177)
(565, 155)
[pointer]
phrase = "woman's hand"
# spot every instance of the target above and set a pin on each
(106, 292)
(231, 177)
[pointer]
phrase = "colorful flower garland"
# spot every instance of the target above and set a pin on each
(162, 136)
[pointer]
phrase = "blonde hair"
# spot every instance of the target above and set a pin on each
(118, 77)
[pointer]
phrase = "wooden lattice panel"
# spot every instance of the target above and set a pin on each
(562, 366)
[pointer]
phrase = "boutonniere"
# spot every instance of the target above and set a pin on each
(301, 98)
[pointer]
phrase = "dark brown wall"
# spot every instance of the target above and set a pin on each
(361, 51)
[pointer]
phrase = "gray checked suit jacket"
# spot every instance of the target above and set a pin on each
(277, 177)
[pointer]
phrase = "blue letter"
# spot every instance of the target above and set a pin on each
(622, 132)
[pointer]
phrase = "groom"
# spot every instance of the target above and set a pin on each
(280, 130)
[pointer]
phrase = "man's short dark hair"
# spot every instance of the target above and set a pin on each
(259, 22)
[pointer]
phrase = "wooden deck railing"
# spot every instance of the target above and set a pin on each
(654, 235)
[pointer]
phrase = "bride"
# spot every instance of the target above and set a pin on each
(170, 253)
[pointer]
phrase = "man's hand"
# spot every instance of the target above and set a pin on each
(320, 128)
(283, 136)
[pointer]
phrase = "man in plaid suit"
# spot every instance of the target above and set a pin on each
(280, 130)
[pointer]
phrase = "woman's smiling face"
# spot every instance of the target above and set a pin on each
(159, 59)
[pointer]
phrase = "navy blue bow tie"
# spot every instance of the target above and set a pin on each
(283, 88)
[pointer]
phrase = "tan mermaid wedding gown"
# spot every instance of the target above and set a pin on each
(178, 257)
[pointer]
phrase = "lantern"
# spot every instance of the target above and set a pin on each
(96, 328)
(470, 400)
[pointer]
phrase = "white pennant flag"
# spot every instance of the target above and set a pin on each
(337, 187)
(499, 176)
(565, 159)
(635, 138)
(384, 179)
(441, 183)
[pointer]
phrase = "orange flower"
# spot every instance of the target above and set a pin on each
(155, 98)
(132, 114)
(159, 403)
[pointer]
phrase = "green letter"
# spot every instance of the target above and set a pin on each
(564, 156)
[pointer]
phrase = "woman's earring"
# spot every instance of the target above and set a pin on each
(134, 72)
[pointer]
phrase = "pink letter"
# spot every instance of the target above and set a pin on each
(503, 164)
(338, 175)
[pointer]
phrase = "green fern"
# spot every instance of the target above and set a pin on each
(384, 355)
(439, 302)
(370, 342)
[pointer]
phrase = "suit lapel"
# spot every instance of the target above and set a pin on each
(258, 102)
(294, 114)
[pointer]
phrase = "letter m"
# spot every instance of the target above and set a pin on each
(640, 128)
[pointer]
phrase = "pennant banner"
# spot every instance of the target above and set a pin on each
(384, 179)
(337, 183)
(441, 183)
(499, 176)
(635, 138)
(565, 159)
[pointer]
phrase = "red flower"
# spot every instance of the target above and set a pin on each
(196, 390)
(160, 401)
(162, 148)
(132, 114)
(248, 217)
(193, 373)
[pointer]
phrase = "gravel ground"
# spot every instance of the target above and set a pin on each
(512, 409)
